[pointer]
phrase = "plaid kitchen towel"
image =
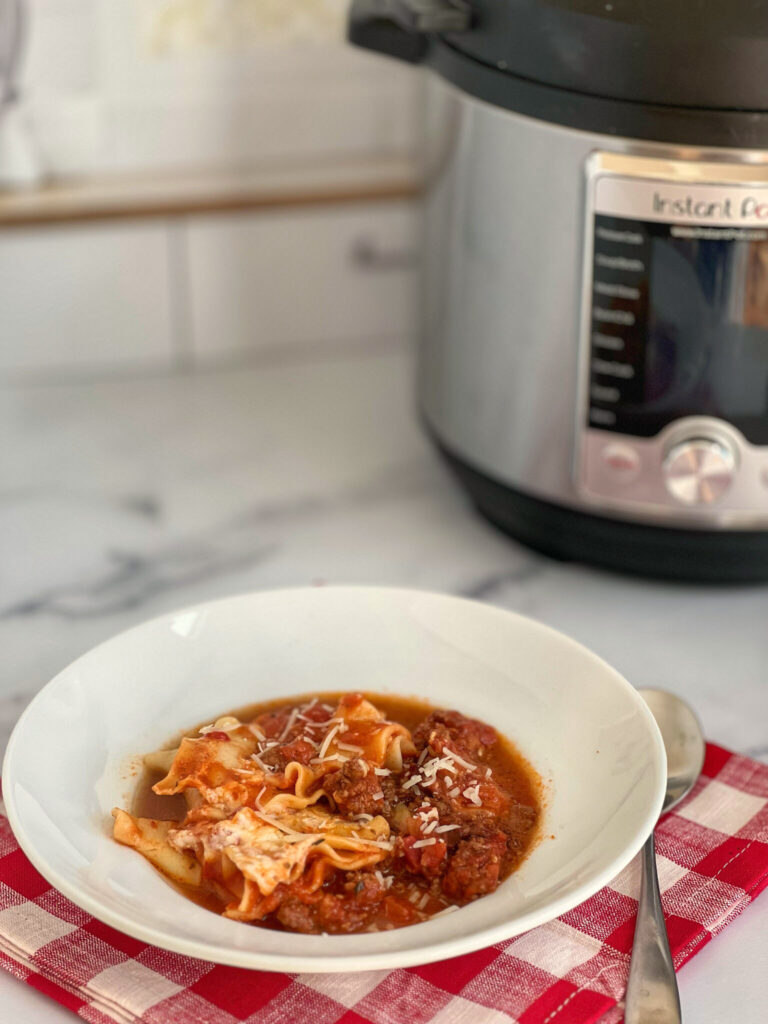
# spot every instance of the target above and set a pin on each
(713, 861)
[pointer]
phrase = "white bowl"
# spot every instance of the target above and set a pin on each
(580, 724)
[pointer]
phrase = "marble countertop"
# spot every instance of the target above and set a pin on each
(123, 499)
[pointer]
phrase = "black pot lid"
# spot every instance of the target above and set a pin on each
(690, 53)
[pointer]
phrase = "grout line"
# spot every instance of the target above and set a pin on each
(311, 353)
(181, 327)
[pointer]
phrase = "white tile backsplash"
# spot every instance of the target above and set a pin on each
(270, 280)
(96, 298)
(87, 297)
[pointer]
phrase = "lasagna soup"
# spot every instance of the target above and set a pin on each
(336, 813)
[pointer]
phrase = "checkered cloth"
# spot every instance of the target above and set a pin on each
(713, 861)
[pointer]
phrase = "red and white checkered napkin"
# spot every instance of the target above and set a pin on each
(713, 861)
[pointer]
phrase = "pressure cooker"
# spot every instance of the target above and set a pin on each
(594, 359)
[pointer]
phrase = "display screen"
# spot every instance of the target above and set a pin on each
(679, 326)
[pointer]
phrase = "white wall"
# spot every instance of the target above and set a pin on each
(124, 85)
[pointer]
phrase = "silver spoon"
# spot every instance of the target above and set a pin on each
(652, 995)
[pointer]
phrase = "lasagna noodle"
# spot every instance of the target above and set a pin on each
(150, 838)
(362, 725)
(248, 831)
(271, 851)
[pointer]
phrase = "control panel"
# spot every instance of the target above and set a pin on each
(673, 417)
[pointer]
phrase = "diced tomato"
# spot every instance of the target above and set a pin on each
(428, 861)
(272, 723)
(299, 750)
(351, 700)
(493, 798)
(217, 734)
(399, 911)
(317, 713)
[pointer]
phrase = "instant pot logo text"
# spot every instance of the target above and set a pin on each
(747, 208)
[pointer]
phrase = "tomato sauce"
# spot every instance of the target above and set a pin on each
(464, 813)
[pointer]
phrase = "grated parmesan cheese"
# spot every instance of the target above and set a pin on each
(424, 842)
(328, 740)
(382, 771)
(446, 828)
(411, 782)
(289, 724)
(459, 760)
(267, 769)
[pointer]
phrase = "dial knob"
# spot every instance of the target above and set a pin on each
(699, 471)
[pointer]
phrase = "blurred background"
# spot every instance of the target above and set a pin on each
(127, 130)
(209, 271)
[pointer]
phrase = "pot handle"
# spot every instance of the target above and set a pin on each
(400, 28)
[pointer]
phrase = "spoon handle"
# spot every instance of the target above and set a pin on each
(652, 996)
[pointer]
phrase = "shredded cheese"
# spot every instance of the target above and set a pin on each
(328, 740)
(267, 769)
(380, 771)
(289, 724)
(446, 828)
(424, 842)
(459, 760)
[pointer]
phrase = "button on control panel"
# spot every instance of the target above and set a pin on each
(699, 466)
(699, 471)
(621, 460)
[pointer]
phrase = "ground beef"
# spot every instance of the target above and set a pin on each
(364, 886)
(333, 911)
(354, 787)
(297, 916)
(517, 823)
(474, 868)
(463, 735)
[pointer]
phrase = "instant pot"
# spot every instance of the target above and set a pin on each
(594, 361)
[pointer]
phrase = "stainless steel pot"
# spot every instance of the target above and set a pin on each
(595, 352)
